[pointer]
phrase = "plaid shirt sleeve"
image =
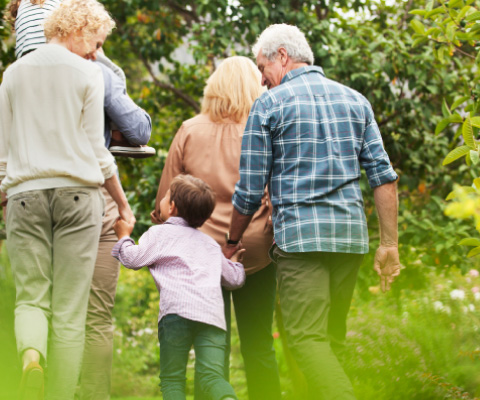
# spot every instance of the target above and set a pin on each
(255, 161)
(373, 157)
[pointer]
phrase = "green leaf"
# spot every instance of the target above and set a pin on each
(467, 133)
(442, 125)
(456, 118)
(455, 154)
(475, 121)
(445, 108)
(459, 101)
(451, 30)
(466, 189)
(455, 3)
(417, 26)
(418, 12)
(469, 242)
(474, 157)
(440, 54)
(473, 252)
(434, 12)
(419, 41)
(462, 13)
(473, 16)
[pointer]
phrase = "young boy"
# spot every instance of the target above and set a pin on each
(189, 269)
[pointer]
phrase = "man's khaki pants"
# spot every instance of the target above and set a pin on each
(52, 240)
(96, 371)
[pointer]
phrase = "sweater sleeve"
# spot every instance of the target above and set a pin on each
(93, 122)
(5, 126)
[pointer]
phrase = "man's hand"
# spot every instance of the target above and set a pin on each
(230, 249)
(123, 228)
(126, 214)
(387, 265)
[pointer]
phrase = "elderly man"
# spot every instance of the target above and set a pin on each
(307, 138)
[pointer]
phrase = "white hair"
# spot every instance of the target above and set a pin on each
(287, 36)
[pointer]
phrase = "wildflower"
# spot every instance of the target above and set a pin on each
(474, 273)
(374, 289)
(438, 306)
(477, 296)
(475, 289)
(457, 294)
(276, 335)
(471, 307)
(148, 331)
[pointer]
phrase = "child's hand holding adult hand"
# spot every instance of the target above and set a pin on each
(238, 256)
(123, 228)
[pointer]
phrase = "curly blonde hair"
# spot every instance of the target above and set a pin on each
(84, 18)
(232, 89)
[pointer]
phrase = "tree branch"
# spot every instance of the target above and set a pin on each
(188, 15)
(162, 85)
(405, 15)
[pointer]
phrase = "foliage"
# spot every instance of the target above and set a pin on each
(451, 30)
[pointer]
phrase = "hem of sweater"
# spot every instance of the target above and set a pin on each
(360, 249)
(192, 318)
(47, 183)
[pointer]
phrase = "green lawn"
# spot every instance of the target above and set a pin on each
(421, 344)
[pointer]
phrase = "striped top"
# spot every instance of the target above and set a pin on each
(188, 268)
(29, 25)
(307, 139)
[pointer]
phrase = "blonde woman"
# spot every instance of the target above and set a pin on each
(208, 147)
(52, 164)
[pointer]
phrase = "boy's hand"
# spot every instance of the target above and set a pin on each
(123, 228)
(238, 256)
(229, 250)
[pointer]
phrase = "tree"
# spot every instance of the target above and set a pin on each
(452, 31)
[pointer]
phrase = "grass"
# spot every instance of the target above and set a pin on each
(418, 344)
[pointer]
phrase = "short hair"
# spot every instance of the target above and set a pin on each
(194, 199)
(232, 89)
(83, 17)
(287, 36)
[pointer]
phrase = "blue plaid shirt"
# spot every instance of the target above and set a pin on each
(307, 139)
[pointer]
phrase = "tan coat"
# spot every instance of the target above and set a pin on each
(211, 151)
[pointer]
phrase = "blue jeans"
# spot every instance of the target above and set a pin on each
(176, 336)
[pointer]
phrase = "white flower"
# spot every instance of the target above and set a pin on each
(457, 294)
(148, 331)
(471, 307)
(477, 296)
(474, 273)
(438, 306)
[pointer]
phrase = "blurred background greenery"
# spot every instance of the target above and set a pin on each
(417, 63)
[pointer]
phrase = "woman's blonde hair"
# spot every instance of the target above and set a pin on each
(84, 18)
(232, 89)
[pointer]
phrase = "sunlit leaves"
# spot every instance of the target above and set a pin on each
(456, 154)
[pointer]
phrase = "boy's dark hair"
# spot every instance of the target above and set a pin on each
(194, 199)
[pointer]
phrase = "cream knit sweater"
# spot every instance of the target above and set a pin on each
(51, 123)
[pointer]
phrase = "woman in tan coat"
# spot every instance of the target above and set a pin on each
(208, 147)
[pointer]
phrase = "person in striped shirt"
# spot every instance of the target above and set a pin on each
(189, 270)
(27, 18)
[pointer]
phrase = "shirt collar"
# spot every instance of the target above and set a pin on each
(177, 221)
(302, 70)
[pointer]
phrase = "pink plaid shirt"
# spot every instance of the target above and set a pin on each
(188, 268)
